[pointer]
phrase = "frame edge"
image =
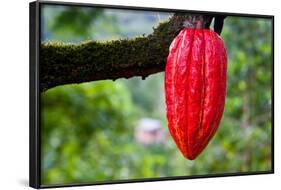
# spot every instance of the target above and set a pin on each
(34, 166)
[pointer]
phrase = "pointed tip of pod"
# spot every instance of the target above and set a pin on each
(190, 156)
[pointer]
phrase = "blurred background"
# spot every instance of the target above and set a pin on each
(107, 130)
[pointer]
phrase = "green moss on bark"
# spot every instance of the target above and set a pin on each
(68, 63)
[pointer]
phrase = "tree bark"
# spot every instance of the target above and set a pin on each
(68, 63)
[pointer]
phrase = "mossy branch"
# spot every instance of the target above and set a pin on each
(67, 64)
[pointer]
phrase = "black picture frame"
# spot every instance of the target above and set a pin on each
(34, 106)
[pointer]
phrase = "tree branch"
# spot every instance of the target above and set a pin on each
(68, 63)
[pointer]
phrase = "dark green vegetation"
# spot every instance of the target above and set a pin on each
(88, 129)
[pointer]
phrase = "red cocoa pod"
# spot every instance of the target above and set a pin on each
(195, 88)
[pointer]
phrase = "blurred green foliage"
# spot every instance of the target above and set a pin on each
(88, 129)
(76, 21)
(63, 23)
